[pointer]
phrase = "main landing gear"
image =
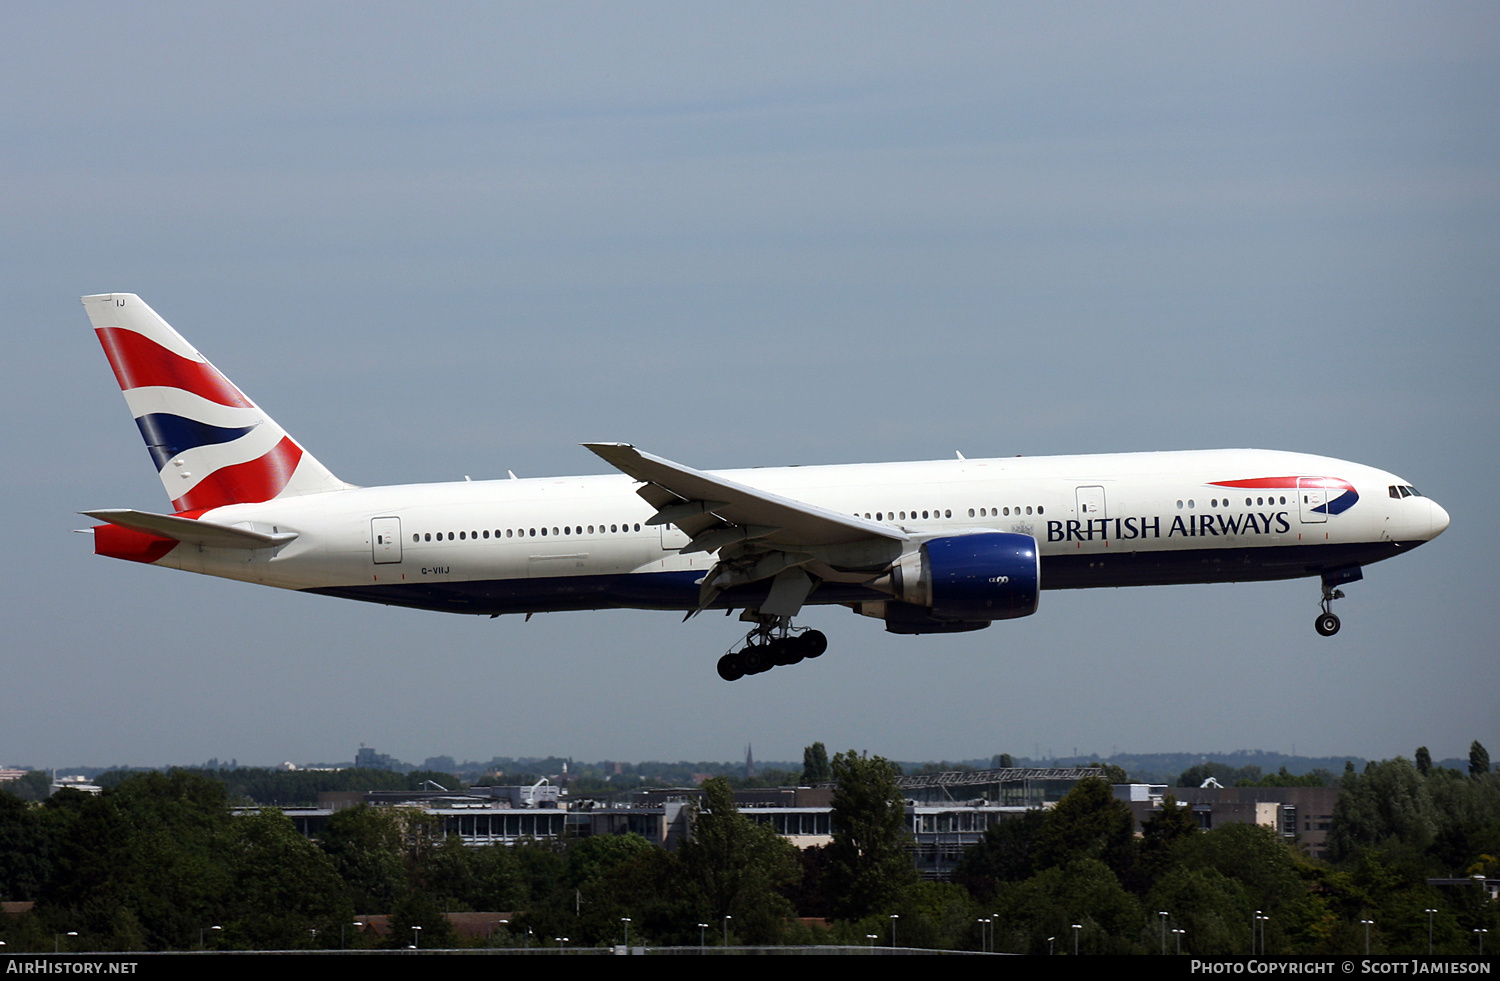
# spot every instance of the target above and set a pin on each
(770, 643)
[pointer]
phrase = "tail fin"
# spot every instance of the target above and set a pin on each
(211, 445)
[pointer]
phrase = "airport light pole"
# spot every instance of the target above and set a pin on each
(1368, 924)
(727, 918)
(626, 920)
(1163, 914)
(702, 933)
(1178, 934)
(1076, 928)
(416, 937)
(894, 918)
(1429, 913)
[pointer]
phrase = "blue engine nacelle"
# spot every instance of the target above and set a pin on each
(963, 582)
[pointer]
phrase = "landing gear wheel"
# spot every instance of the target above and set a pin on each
(1327, 624)
(756, 659)
(731, 667)
(772, 642)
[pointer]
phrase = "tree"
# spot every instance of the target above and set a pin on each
(1479, 759)
(155, 846)
(30, 836)
(815, 767)
(464, 878)
(1002, 761)
(1089, 822)
(365, 845)
(1390, 801)
(1006, 853)
(1424, 761)
(284, 887)
(1209, 905)
(1256, 858)
(869, 865)
(1161, 832)
(1083, 891)
(739, 867)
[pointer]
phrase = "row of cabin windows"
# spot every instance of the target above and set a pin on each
(1224, 502)
(946, 513)
(627, 527)
(876, 515)
(499, 533)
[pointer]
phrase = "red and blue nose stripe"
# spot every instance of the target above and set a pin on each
(1345, 499)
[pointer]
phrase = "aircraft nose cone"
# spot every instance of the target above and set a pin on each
(1438, 521)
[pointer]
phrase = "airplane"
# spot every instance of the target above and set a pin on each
(928, 548)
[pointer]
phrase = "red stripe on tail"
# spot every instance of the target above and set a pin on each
(139, 362)
(244, 483)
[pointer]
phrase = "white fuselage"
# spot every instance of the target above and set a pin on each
(542, 544)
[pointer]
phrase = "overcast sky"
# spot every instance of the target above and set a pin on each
(447, 240)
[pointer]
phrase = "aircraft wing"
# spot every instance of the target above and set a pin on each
(716, 512)
(189, 530)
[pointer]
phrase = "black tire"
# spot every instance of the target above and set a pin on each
(756, 659)
(731, 667)
(813, 643)
(1327, 624)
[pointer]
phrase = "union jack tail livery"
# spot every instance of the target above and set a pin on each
(211, 445)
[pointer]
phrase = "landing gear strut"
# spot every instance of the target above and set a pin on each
(769, 643)
(1328, 621)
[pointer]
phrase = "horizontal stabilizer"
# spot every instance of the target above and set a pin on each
(189, 530)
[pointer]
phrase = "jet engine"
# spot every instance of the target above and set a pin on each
(961, 583)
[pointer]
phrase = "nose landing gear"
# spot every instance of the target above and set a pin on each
(770, 643)
(1327, 623)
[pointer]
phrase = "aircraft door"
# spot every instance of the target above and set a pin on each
(1310, 495)
(385, 540)
(1091, 503)
(672, 538)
